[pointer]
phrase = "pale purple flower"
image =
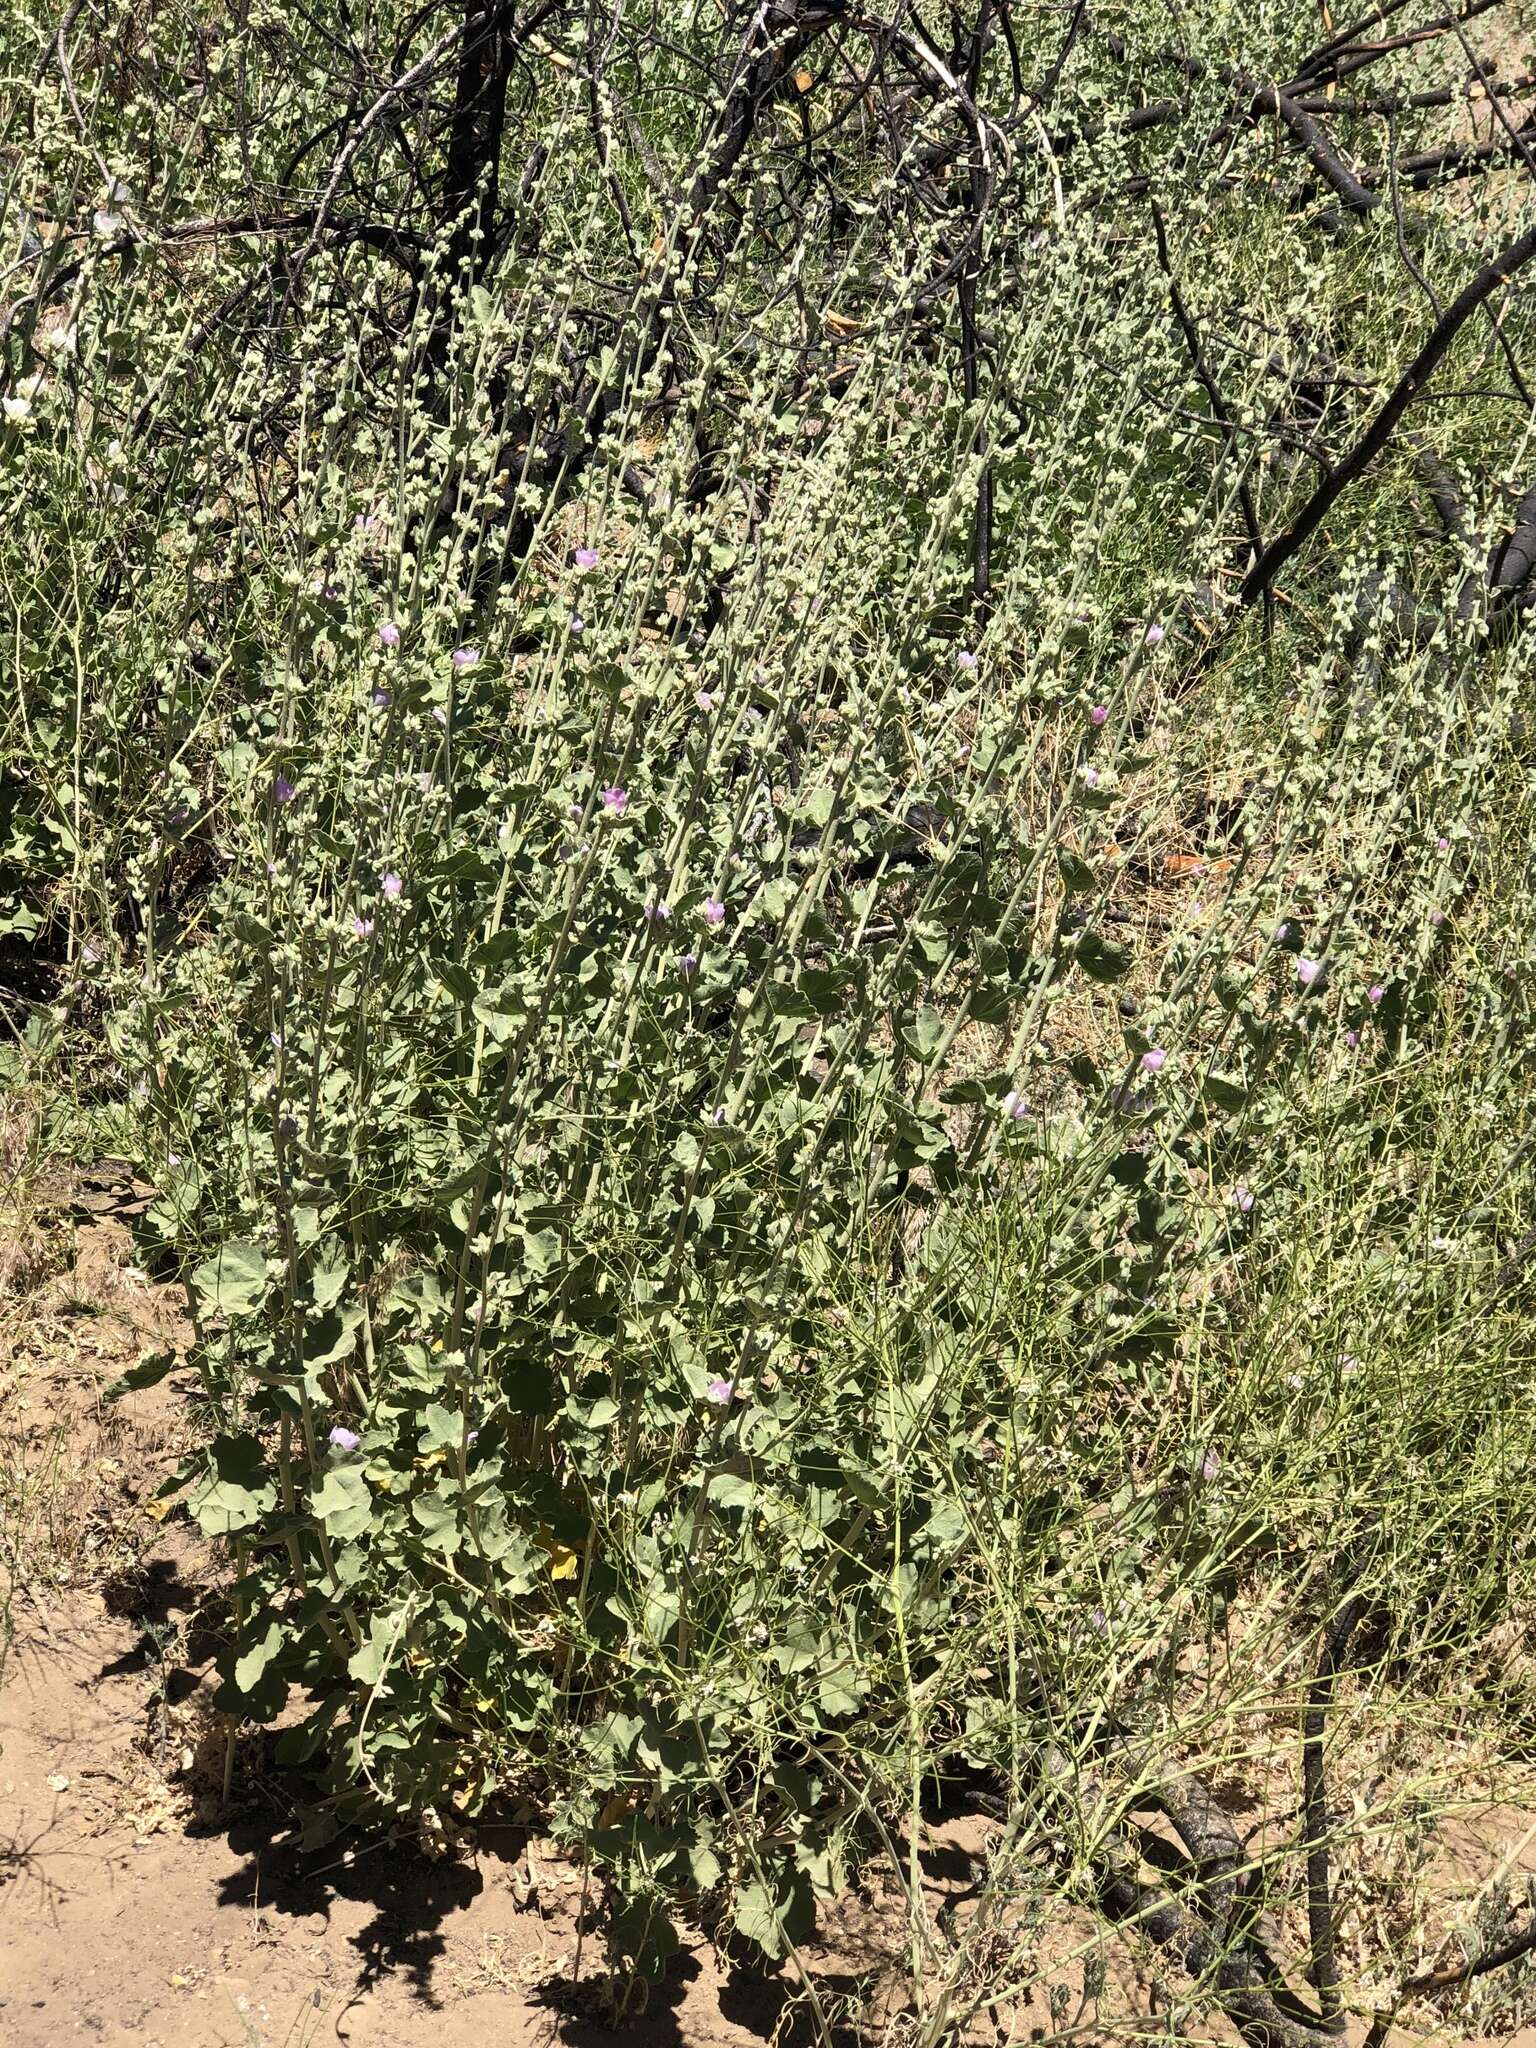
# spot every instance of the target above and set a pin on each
(688, 965)
(657, 912)
(615, 799)
(1090, 777)
(575, 813)
(1210, 1464)
(578, 623)
(720, 1392)
(389, 634)
(965, 658)
(1098, 1621)
(1282, 933)
(1437, 918)
(1014, 1105)
(1152, 1059)
(439, 714)
(1442, 844)
(380, 698)
(1374, 993)
(1308, 971)
(363, 926)
(714, 911)
(343, 1439)
(465, 657)
(1351, 1039)
(283, 791)
(1242, 1199)
(586, 558)
(1349, 1365)
(1154, 635)
(392, 886)
(1098, 714)
(704, 701)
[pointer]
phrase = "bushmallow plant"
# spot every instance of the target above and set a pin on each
(576, 1002)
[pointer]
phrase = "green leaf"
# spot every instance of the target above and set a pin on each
(149, 1372)
(258, 1655)
(233, 1282)
(343, 1502)
(1076, 873)
(1103, 959)
(839, 1694)
(926, 1032)
(438, 1520)
(332, 1337)
(370, 1660)
(444, 1428)
(236, 1493)
(502, 1011)
(774, 1920)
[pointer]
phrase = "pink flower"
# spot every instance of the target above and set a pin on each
(1098, 714)
(615, 799)
(578, 623)
(714, 911)
(721, 1392)
(1375, 993)
(363, 926)
(965, 658)
(1442, 844)
(1308, 971)
(465, 657)
(1014, 1105)
(1090, 778)
(1210, 1464)
(704, 701)
(1154, 635)
(1152, 1060)
(657, 912)
(1351, 1039)
(343, 1439)
(1437, 918)
(586, 558)
(283, 791)
(389, 634)
(439, 714)
(688, 966)
(392, 886)
(1242, 1199)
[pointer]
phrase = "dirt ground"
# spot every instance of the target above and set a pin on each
(137, 1908)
